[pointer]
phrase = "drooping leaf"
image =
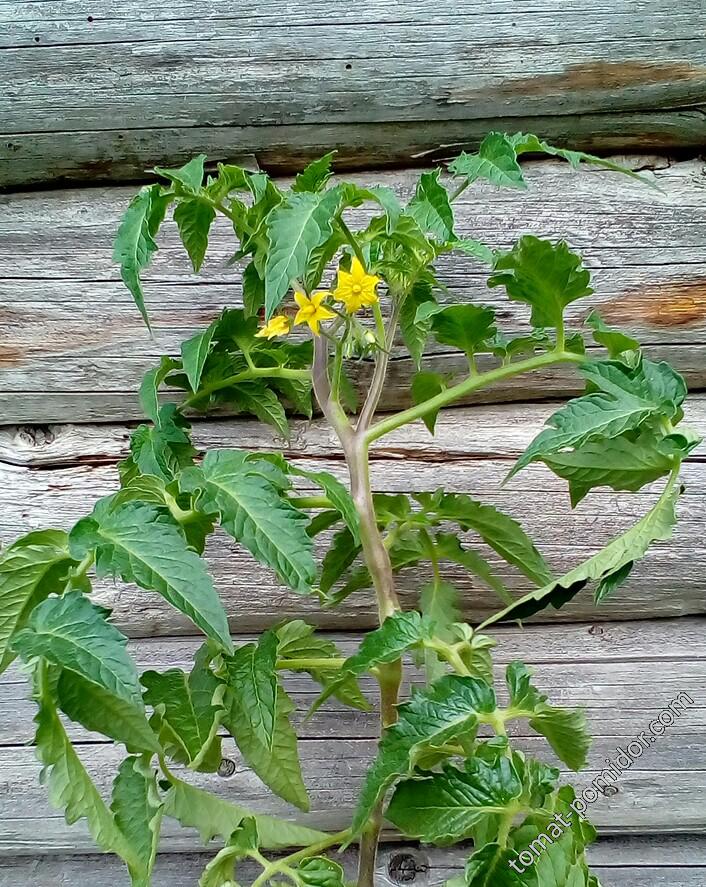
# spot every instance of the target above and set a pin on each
(656, 525)
(449, 548)
(185, 715)
(496, 161)
(212, 816)
(194, 353)
(255, 514)
(338, 494)
(31, 569)
(430, 207)
(149, 387)
(137, 809)
(72, 633)
(416, 332)
(544, 275)
(137, 543)
(135, 244)
(564, 728)
(256, 398)
(315, 176)
(252, 679)
(475, 248)
(188, 177)
(296, 227)
(448, 806)
(426, 385)
(448, 709)
(220, 871)
(194, 219)
(614, 341)
(342, 553)
(163, 449)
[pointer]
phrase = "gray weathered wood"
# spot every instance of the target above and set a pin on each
(619, 862)
(475, 448)
(609, 671)
(286, 83)
(73, 347)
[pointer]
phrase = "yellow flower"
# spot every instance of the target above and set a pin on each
(356, 288)
(311, 310)
(278, 326)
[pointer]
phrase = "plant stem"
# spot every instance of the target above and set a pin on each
(473, 383)
(299, 855)
(311, 502)
(244, 376)
(306, 664)
(350, 237)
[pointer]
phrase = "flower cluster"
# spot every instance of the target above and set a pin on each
(355, 289)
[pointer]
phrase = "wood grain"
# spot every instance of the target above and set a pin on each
(73, 347)
(386, 83)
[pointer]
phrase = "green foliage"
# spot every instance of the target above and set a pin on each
(445, 769)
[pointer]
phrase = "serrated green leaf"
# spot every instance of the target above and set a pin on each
(315, 176)
(544, 275)
(448, 709)
(194, 353)
(137, 809)
(149, 387)
(31, 569)
(495, 161)
(212, 816)
(185, 715)
(564, 728)
(138, 544)
(220, 871)
(430, 207)
(475, 248)
(656, 525)
(253, 291)
(449, 548)
(426, 385)
(613, 340)
(189, 176)
(194, 219)
(163, 449)
(296, 227)
(101, 711)
(135, 244)
(416, 332)
(255, 514)
(256, 398)
(490, 867)
(448, 806)
(339, 496)
(252, 678)
(466, 327)
(339, 557)
(398, 633)
(498, 530)
(71, 632)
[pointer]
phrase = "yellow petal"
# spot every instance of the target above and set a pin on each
(318, 297)
(301, 300)
(302, 316)
(357, 269)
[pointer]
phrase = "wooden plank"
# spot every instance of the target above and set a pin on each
(52, 476)
(610, 673)
(672, 861)
(165, 83)
(73, 347)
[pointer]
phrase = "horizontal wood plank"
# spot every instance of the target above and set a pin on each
(384, 83)
(73, 347)
(610, 672)
(664, 861)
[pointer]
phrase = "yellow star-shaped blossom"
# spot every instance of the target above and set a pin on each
(278, 326)
(356, 288)
(311, 310)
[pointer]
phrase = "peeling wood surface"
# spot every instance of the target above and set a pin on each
(385, 81)
(51, 476)
(609, 670)
(73, 347)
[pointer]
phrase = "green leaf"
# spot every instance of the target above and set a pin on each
(135, 244)
(398, 633)
(426, 385)
(165, 449)
(137, 543)
(338, 494)
(342, 553)
(256, 398)
(185, 716)
(300, 224)
(71, 632)
(620, 463)
(495, 161)
(544, 275)
(101, 711)
(501, 532)
(69, 786)
(448, 806)
(449, 548)
(212, 816)
(31, 569)
(475, 248)
(253, 291)
(565, 729)
(416, 332)
(430, 207)
(194, 219)
(189, 176)
(255, 514)
(149, 387)
(315, 176)
(220, 871)
(466, 327)
(252, 678)
(317, 871)
(656, 525)
(137, 809)
(614, 340)
(448, 709)
(490, 867)
(194, 353)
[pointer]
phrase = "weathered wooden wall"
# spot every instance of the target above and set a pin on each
(100, 91)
